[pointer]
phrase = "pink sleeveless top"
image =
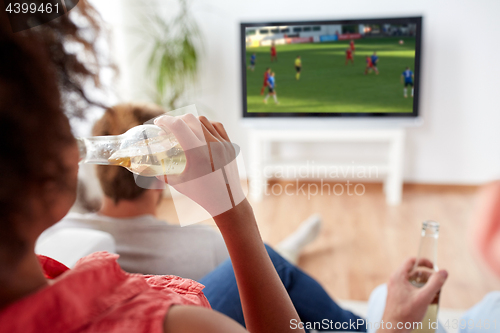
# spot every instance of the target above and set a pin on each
(98, 296)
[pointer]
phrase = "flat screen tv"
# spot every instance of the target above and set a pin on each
(334, 68)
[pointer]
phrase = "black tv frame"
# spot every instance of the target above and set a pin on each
(398, 20)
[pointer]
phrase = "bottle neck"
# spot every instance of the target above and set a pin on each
(428, 243)
(98, 149)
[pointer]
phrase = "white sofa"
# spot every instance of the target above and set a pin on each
(70, 244)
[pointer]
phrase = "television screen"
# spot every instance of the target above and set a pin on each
(347, 68)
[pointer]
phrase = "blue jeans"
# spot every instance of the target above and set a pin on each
(310, 299)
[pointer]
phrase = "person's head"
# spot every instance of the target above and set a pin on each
(374, 53)
(407, 67)
(268, 69)
(40, 80)
(272, 74)
(117, 182)
(486, 227)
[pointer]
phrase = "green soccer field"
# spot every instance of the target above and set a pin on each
(328, 85)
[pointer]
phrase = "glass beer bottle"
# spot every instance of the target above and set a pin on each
(145, 150)
(425, 265)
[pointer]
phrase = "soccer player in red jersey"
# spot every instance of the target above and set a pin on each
(351, 45)
(348, 56)
(274, 55)
(369, 65)
(266, 78)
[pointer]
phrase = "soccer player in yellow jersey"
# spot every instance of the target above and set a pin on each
(298, 67)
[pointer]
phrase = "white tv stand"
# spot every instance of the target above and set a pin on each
(260, 140)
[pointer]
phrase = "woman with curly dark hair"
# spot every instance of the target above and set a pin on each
(38, 80)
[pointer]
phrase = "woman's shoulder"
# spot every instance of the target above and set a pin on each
(97, 295)
(181, 290)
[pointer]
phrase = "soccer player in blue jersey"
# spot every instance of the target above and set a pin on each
(253, 59)
(374, 58)
(408, 77)
(271, 86)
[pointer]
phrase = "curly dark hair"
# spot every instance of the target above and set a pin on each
(39, 80)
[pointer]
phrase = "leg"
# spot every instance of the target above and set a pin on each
(291, 247)
(275, 98)
(310, 299)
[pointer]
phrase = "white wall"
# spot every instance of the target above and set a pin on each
(460, 140)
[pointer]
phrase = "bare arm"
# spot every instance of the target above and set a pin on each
(265, 301)
(195, 319)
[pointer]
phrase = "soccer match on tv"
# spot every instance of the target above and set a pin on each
(330, 68)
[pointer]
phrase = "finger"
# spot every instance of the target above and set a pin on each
(208, 136)
(423, 262)
(222, 131)
(176, 125)
(428, 292)
(195, 125)
(210, 128)
(407, 266)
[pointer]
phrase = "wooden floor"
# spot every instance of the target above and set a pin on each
(363, 240)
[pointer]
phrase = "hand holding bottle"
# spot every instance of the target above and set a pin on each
(407, 303)
(210, 177)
